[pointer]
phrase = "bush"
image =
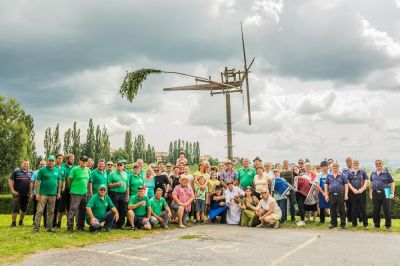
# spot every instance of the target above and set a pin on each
(4, 185)
(6, 205)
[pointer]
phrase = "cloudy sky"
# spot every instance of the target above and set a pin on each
(325, 83)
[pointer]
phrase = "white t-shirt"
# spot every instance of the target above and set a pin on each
(265, 205)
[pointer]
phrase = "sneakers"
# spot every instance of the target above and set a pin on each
(21, 223)
(202, 222)
(300, 223)
(260, 225)
(50, 230)
(389, 228)
(13, 224)
(343, 226)
(332, 226)
(35, 231)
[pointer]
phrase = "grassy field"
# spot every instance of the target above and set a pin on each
(19, 242)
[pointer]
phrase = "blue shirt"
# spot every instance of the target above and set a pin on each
(381, 181)
(22, 181)
(358, 179)
(336, 185)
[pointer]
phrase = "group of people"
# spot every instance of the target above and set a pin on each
(110, 196)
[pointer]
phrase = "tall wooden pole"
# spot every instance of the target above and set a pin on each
(229, 125)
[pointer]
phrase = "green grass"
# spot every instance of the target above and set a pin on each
(18, 242)
(188, 236)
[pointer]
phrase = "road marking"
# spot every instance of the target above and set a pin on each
(296, 249)
(222, 248)
(115, 254)
(142, 246)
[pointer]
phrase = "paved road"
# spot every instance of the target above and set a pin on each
(233, 245)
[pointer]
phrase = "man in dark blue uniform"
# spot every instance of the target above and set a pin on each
(358, 183)
(381, 180)
(345, 172)
(336, 191)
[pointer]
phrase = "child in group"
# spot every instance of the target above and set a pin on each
(201, 193)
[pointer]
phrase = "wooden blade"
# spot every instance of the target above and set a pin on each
(246, 75)
(202, 87)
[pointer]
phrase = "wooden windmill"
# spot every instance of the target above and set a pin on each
(232, 81)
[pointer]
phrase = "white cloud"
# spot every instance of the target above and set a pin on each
(384, 80)
(380, 40)
(314, 103)
(398, 3)
(255, 20)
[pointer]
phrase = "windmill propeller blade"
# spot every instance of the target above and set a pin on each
(246, 75)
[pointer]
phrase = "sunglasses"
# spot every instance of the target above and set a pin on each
(103, 189)
(109, 165)
(264, 192)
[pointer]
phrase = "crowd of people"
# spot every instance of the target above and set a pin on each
(109, 196)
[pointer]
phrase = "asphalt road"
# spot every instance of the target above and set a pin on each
(233, 245)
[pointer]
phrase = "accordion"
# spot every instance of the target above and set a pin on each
(280, 186)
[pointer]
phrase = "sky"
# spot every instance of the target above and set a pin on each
(325, 82)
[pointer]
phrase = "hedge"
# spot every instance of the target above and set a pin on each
(5, 204)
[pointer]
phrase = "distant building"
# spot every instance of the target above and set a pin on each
(161, 156)
(205, 157)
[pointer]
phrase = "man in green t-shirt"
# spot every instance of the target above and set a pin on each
(100, 208)
(48, 189)
(97, 177)
(78, 181)
(65, 192)
(246, 174)
(119, 192)
(135, 180)
(139, 210)
(160, 212)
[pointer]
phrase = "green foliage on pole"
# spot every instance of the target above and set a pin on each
(133, 81)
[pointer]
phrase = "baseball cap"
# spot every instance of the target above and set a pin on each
(84, 158)
(102, 186)
(51, 158)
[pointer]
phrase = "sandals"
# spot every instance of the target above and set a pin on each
(182, 226)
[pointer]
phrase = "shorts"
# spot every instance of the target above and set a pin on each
(175, 208)
(138, 221)
(65, 201)
(20, 203)
(200, 205)
(275, 216)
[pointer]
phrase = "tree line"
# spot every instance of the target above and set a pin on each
(191, 149)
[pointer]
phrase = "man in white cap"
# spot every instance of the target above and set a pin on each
(183, 197)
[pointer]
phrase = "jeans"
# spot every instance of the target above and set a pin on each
(337, 202)
(379, 200)
(283, 205)
(119, 200)
(291, 205)
(300, 198)
(78, 209)
(108, 220)
(164, 216)
(50, 200)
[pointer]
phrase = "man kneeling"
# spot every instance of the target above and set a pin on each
(100, 208)
(139, 210)
(160, 212)
(268, 210)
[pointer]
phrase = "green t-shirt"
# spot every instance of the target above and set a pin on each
(158, 205)
(79, 180)
(199, 193)
(97, 179)
(67, 169)
(99, 206)
(134, 182)
(246, 177)
(116, 177)
(48, 180)
(141, 210)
